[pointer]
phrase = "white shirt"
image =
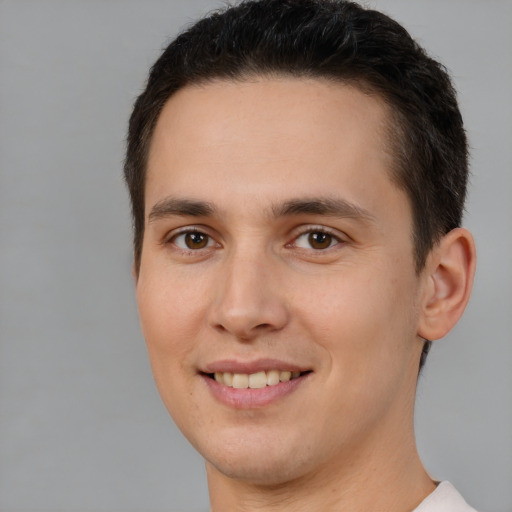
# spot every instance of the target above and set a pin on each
(444, 499)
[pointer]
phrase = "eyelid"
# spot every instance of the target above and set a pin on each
(172, 235)
(308, 229)
(297, 233)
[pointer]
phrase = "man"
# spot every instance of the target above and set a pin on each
(297, 171)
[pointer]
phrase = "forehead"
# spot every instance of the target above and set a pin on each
(275, 136)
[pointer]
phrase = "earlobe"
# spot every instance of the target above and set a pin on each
(448, 276)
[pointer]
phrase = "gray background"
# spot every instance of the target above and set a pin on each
(81, 425)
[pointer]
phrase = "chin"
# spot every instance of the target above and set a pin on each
(255, 473)
(259, 463)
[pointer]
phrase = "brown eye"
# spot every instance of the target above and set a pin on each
(317, 240)
(196, 240)
(320, 240)
(192, 240)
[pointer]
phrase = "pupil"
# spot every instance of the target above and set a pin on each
(320, 240)
(196, 240)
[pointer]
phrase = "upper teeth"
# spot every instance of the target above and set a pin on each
(254, 380)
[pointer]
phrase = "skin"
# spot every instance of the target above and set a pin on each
(352, 311)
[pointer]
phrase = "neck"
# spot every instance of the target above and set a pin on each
(374, 476)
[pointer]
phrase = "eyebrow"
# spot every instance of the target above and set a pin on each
(181, 207)
(327, 206)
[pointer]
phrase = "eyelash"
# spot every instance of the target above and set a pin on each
(334, 241)
(189, 231)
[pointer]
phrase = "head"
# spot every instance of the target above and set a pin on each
(239, 114)
(338, 41)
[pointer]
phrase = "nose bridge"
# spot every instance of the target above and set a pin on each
(249, 300)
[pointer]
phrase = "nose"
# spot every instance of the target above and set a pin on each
(249, 301)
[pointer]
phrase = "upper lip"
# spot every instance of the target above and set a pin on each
(258, 365)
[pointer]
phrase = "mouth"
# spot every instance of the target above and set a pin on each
(251, 386)
(256, 380)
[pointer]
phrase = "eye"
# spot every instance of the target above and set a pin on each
(192, 240)
(317, 240)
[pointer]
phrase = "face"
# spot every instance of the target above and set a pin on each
(277, 290)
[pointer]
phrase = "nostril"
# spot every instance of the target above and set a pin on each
(263, 326)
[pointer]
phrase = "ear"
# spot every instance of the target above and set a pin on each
(448, 275)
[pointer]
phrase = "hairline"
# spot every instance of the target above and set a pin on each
(393, 136)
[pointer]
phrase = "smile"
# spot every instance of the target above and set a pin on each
(256, 380)
(251, 385)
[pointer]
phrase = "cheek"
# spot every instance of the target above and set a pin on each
(170, 321)
(364, 319)
(171, 315)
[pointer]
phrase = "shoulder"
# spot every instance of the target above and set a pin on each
(444, 499)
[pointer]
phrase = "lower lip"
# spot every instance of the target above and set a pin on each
(253, 398)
